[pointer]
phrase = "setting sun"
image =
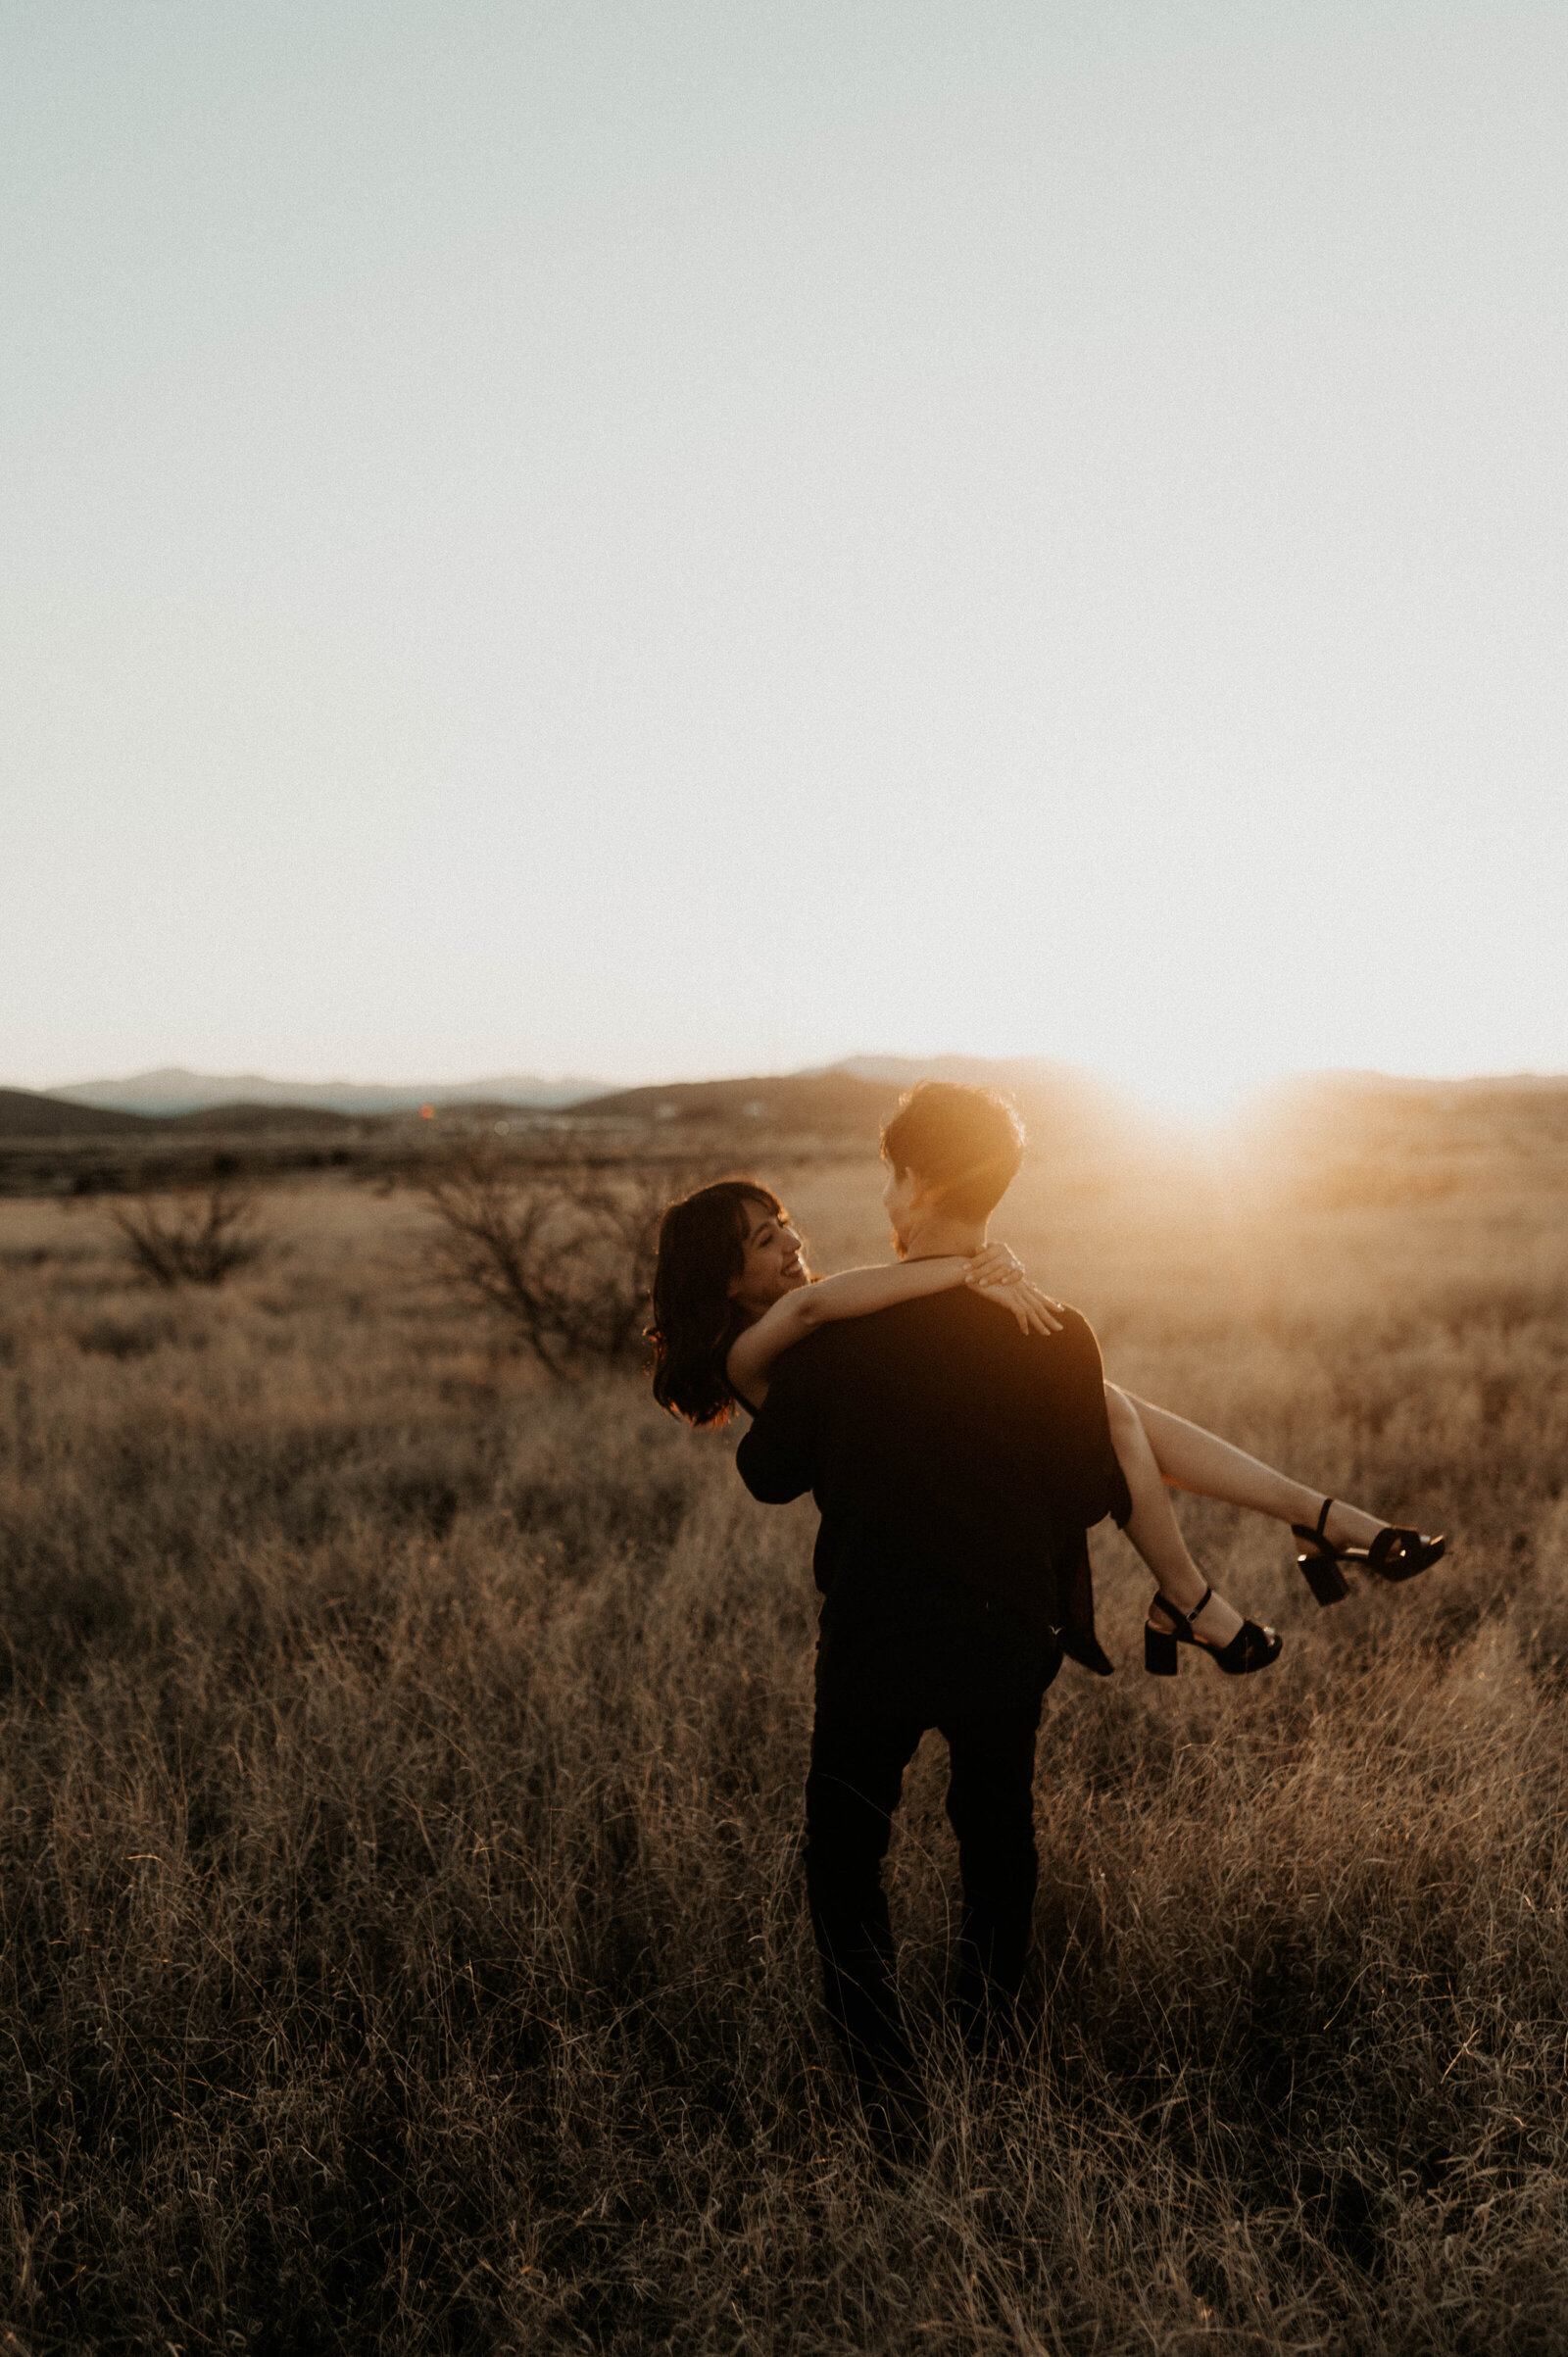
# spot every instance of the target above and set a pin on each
(662, 1691)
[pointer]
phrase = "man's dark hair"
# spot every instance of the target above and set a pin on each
(964, 1145)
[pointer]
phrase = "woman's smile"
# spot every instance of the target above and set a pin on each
(771, 1261)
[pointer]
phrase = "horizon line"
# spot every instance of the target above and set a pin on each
(610, 1082)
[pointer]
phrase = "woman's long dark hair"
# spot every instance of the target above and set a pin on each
(701, 1251)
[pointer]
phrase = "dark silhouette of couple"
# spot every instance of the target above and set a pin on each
(956, 1429)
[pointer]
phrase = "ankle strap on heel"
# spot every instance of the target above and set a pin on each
(1183, 1619)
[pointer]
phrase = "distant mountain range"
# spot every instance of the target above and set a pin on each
(980, 1072)
(24, 1113)
(1065, 1101)
(854, 1095)
(172, 1091)
(1063, 1098)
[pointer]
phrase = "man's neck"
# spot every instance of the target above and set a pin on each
(933, 1238)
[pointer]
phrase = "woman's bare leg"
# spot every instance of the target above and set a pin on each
(1155, 1531)
(1190, 1458)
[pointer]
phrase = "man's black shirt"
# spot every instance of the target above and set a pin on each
(957, 1463)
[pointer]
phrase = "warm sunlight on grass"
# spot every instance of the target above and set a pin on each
(404, 1941)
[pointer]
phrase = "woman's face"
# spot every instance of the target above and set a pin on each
(773, 1263)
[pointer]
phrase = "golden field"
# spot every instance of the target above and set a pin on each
(404, 1939)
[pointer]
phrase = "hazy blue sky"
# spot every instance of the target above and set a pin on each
(680, 538)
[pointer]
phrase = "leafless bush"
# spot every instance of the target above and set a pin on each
(451, 1752)
(192, 1240)
(565, 1256)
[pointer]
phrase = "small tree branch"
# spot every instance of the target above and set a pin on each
(566, 1256)
(191, 1242)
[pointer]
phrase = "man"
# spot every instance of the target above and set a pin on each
(958, 1465)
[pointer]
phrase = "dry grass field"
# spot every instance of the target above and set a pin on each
(400, 1794)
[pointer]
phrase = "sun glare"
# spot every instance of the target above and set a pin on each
(1197, 1096)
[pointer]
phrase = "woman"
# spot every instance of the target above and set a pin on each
(731, 1291)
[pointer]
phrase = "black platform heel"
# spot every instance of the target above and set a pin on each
(1394, 1555)
(1321, 1568)
(1250, 1648)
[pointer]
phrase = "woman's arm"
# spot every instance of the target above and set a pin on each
(858, 1292)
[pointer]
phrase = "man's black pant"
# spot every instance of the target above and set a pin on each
(871, 1711)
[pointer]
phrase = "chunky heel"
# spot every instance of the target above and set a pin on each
(1325, 1579)
(1320, 1567)
(1250, 1648)
(1159, 1651)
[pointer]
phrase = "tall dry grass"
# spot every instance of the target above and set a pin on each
(404, 1944)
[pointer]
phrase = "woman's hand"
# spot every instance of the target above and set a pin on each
(994, 1264)
(999, 1275)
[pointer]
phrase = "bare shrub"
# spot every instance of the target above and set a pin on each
(406, 1950)
(192, 1240)
(566, 1256)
